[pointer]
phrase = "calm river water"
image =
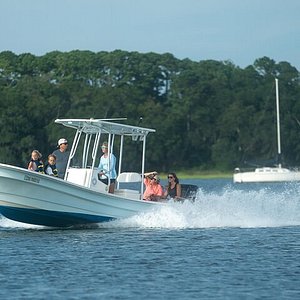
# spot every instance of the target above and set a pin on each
(233, 242)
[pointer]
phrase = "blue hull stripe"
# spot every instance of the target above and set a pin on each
(49, 218)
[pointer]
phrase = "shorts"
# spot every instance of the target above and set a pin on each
(105, 180)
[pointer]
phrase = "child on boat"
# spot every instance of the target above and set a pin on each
(50, 168)
(36, 163)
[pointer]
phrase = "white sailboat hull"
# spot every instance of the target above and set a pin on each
(266, 175)
(39, 199)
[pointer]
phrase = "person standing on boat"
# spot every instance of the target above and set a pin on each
(62, 157)
(107, 168)
(173, 189)
(154, 190)
(50, 167)
(36, 163)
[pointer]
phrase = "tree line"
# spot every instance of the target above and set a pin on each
(207, 114)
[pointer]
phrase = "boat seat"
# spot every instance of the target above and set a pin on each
(129, 182)
(129, 177)
(127, 193)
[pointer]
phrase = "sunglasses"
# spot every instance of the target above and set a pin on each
(170, 177)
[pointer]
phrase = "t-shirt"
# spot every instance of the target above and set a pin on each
(61, 162)
(109, 168)
(152, 189)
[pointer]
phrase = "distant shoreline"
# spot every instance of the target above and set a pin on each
(201, 175)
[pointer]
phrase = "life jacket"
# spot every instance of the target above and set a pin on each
(54, 170)
(39, 166)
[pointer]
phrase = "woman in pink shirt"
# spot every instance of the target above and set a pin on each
(154, 190)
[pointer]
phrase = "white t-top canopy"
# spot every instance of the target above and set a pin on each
(93, 126)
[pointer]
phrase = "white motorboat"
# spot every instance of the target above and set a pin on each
(269, 174)
(266, 174)
(81, 198)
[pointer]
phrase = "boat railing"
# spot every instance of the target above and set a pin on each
(128, 183)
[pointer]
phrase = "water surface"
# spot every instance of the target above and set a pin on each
(233, 242)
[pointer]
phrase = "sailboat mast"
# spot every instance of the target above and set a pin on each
(278, 123)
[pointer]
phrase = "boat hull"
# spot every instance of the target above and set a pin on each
(267, 175)
(49, 218)
(39, 199)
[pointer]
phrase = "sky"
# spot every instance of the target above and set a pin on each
(240, 31)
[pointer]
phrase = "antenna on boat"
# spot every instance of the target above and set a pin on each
(278, 123)
(114, 119)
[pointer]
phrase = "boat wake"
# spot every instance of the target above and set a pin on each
(7, 223)
(228, 208)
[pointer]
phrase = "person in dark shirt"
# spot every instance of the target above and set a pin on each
(173, 189)
(62, 157)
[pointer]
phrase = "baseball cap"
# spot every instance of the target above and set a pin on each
(62, 141)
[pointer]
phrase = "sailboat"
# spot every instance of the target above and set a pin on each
(269, 174)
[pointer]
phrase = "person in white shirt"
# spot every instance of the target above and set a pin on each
(107, 168)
